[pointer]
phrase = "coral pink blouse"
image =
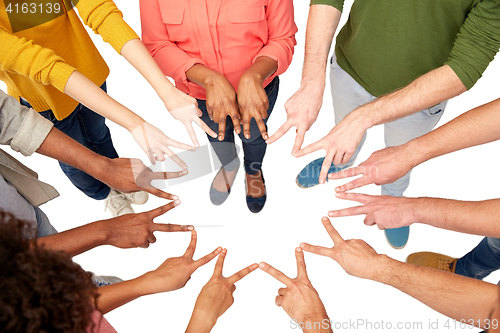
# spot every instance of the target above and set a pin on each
(224, 35)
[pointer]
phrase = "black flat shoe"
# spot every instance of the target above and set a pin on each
(255, 205)
(216, 197)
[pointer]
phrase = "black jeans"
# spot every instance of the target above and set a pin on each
(254, 148)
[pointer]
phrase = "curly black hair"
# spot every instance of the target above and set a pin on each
(40, 290)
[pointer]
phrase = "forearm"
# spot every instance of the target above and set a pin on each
(118, 294)
(471, 217)
(428, 90)
(86, 92)
(64, 149)
(138, 56)
(75, 241)
(200, 322)
(321, 26)
(475, 127)
(202, 75)
(261, 69)
(453, 295)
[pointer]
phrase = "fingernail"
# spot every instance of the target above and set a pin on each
(190, 227)
(293, 153)
(177, 202)
(298, 249)
(266, 137)
(184, 166)
(337, 195)
(330, 214)
(175, 197)
(262, 265)
(337, 189)
(219, 249)
(325, 218)
(184, 172)
(302, 245)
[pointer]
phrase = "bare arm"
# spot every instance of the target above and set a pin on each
(453, 295)
(475, 127)
(303, 107)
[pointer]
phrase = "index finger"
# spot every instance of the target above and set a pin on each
(358, 197)
(171, 227)
(205, 127)
(309, 149)
(301, 264)
(332, 231)
(261, 125)
(278, 275)
(351, 172)
(219, 265)
(241, 274)
(174, 157)
(280, 132)
(192, 134)
(222, 127)
(192, 245)
(152, 214)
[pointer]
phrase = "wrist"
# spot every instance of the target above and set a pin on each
(251, 76)
(415, 153)
(134, 122)
(212, 78)
(383, 268)
(201, 322)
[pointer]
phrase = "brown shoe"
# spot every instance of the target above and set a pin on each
(433, 260)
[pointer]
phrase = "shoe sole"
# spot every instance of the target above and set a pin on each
(395, 247)
(304, 187)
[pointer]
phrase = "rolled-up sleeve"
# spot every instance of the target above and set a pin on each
(339, 4)
(105, 19)
(282, 30)
(20, 127)
(41, 65)
(173, 61)
(477, 42)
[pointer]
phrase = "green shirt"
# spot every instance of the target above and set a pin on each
(387, 44)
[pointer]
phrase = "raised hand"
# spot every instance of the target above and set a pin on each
(383, 167)
(136, 230)
(385, 211)
(155, 144)
(299, 299)
(131, 175)
(340, 144)
(253, 103)
(355, 256)
(174, 273)
(221, 102)
(216, 296)
(189, 114)
(302, 110)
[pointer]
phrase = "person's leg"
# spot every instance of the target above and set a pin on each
(347, 95)
(481, 261)
(400, 132)
(71, 126)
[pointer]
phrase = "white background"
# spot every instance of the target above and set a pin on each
(291, 215)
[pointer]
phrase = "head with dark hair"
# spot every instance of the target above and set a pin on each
(40, 290)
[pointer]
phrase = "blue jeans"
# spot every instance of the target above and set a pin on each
(481, 261)
(89, 129)
(254, 148)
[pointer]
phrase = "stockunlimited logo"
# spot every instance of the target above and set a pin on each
(28, 14)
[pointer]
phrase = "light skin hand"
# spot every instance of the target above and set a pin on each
(136, 230)
(215, 297)
(385, 211)
(340, 144)
(189, 114)
(252, 98)
(155, 144)
(383, 167)
(221, 97)
(355, 256)
(299, 299)
(174, 273)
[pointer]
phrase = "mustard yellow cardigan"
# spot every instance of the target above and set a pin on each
(37, 62)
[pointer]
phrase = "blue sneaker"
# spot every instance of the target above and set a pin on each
(398, 237)
(309, 176)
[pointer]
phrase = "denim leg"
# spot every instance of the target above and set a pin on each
(481, 261)
(406, 129)
(89, 129)
(255, 147)
(225, 149)
(44, 228)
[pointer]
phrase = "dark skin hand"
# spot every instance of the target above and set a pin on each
(221, 97)
(252, 98)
